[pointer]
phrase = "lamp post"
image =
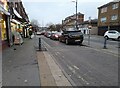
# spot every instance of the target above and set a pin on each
(76, 15)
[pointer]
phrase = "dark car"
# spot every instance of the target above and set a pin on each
(71, 35)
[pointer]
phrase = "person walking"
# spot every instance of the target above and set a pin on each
(30, 33)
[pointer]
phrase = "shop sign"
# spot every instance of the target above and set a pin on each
(3, 4)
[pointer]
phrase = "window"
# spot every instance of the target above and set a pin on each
(103, 19)
(113, 32)
(114, 17)
(115, 6)
(104, 10)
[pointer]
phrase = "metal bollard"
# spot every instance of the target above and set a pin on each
(105, 43)
(89, 38)
(118, 43)
(39, 44)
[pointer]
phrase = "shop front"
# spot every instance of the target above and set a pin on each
(16, 31)
(4, 22)
(0, 33)
(3, 31)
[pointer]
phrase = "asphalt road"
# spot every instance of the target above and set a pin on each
(84, 65)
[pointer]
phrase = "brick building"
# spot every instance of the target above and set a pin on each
(109, 17)
(71, 20)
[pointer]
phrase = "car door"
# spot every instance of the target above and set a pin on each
(113, 34)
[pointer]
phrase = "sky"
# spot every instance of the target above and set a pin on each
(54, 11)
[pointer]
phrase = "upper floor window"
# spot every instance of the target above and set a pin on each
(103, 19)
(114, 17)
(104, 10)
(115, 6)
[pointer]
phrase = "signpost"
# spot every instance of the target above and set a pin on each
(89, 28)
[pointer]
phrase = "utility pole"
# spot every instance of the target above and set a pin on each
(76, 16)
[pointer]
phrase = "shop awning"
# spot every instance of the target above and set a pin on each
(15, 21)
(4, 11)
(16, 13)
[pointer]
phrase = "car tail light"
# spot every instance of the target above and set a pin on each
(56, 36)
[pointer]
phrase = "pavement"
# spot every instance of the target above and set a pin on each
(20, 66)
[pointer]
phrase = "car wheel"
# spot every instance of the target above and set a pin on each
(80, 42)
(66, 42)
(118, 38)
(106, 37)
(59, 40)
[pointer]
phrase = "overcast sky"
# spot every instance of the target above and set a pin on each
(54, 11)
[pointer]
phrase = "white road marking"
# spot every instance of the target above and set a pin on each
(73, 71)
(83, 80)
(58, 53)
(75, 67)
(70, 68)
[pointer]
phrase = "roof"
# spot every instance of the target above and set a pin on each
(92, 21)
(72, 16)
(114, 1)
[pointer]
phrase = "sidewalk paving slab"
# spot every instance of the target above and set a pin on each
(20, 66)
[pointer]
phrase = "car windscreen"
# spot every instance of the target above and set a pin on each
(71, 29)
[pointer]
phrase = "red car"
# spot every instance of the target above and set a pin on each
(55, 36)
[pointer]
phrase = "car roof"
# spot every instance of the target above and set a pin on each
(111, 30)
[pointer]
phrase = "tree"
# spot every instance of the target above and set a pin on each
(35, 25)
(58, 27)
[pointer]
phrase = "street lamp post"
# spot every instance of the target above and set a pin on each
(76, 14)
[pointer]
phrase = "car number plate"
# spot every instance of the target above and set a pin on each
(77, 40)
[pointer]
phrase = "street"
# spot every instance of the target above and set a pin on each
(84, 65)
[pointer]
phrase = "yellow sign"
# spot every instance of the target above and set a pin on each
(4, 4)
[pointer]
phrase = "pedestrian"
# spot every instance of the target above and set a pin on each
(30, 33)
(13, 40)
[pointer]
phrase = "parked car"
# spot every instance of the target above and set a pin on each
(47, 34)
(112, 34)
(39, 33)
(55, 35)
(71, 35)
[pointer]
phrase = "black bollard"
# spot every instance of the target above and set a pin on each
(118, 43)
(39, 44)
(105, 43)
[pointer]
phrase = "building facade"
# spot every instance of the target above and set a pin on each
(70, 21)
(109, 17)
(89, 26)
(4, 23)
(12, 17)
(18, 18)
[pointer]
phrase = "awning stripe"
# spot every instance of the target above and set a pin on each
(16, 13)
